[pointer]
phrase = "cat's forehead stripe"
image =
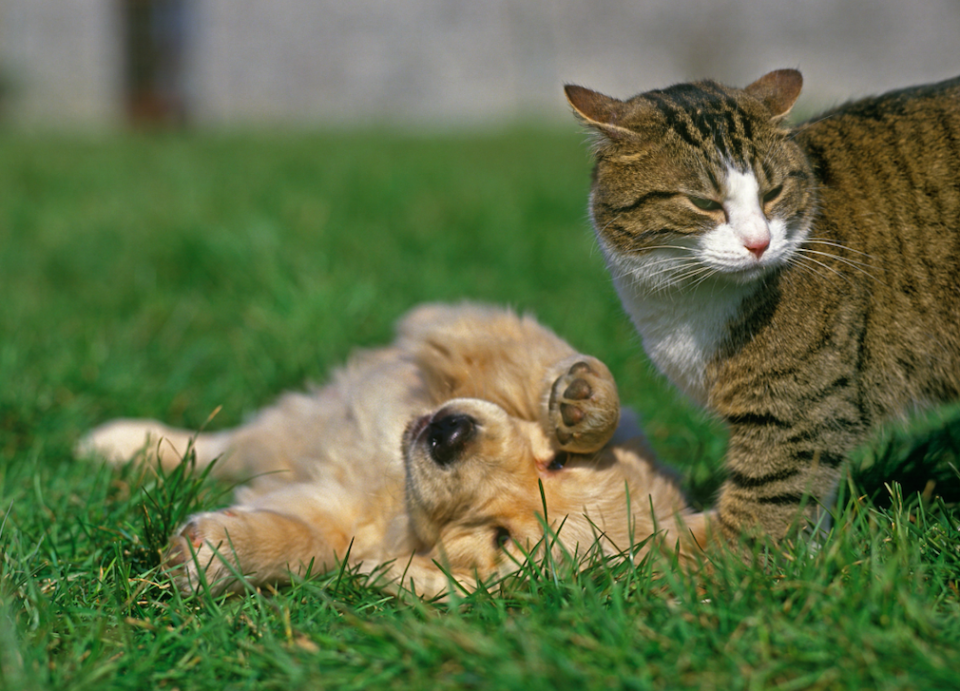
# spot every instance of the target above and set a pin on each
(678, 118)
(704, 115)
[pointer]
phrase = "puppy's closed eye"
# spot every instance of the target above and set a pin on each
(559, 461)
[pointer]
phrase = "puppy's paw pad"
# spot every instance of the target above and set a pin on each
(584, 407)
(579, 390)
(571, 414)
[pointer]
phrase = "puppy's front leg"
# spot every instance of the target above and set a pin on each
(264, 546)
(581, 407)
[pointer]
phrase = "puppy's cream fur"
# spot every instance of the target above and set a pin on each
(428, 451)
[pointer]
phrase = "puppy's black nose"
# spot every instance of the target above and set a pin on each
(448, 435)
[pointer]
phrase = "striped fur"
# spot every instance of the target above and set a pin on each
(849, 317)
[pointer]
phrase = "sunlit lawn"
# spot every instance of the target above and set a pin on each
(171, 275)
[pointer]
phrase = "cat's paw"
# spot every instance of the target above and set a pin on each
(207, 550)
(584, 408)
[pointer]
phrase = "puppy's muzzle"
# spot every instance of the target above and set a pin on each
(446, 436)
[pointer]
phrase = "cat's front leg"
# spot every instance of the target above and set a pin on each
(781, 479)
(582, 408)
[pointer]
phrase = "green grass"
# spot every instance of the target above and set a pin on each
(165, 276)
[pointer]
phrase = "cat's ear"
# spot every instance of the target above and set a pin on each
(777, 90)
(601, 112)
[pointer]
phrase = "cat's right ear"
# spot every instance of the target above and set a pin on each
(777, 90)
(601, 112)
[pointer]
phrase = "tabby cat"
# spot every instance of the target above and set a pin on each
(803, 283)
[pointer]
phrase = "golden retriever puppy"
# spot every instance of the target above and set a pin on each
(429, 452)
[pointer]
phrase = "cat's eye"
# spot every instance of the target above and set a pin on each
(705, 204)
(501, 537)
(559, 461)
(772, 194)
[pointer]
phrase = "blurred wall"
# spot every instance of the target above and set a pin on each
(60, 61)
(463, 61)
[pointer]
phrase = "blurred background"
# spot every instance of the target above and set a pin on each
(106, 63)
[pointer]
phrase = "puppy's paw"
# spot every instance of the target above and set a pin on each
(584, 407)
(207, 549)
(122, 440)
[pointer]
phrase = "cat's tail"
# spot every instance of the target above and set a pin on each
(120, 441)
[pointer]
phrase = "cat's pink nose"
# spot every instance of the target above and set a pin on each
(758, 247)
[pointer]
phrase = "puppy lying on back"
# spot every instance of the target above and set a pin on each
(428, 451)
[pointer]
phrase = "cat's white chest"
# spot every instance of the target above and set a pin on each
(682, 333)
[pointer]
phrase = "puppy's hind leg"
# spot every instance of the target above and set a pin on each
(581, 406)
(120, 441)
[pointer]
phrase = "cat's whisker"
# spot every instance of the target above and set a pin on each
(694, 275)
(668, 247)
(705, 277)
(801, 266)
(857, 266)
(820, 241)
(658, 264)
(667, 273)
(666, 279)
(846, 260)
(646, 248)
(692, 271)
(827, 267)
(671, 264)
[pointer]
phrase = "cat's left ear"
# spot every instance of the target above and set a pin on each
(777, 90)
(601, 112)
